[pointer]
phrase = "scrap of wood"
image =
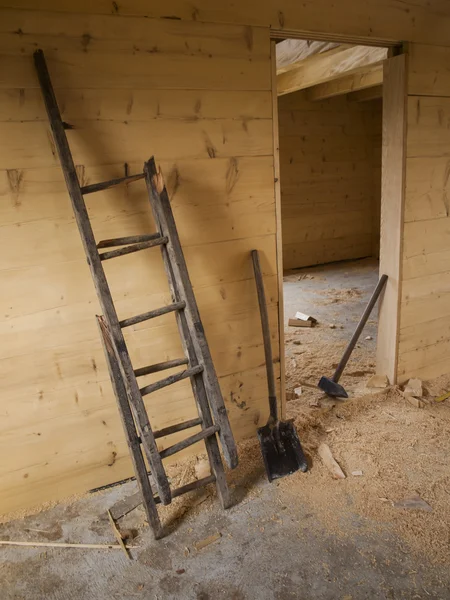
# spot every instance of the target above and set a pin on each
(416, 402)
(207, 541)
(126, 505)
(378, 382)
(299, 323)
(330, 463)
(118, 535)
(63, 545)
(413, 388)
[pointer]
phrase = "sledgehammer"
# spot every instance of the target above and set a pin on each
(332, 386)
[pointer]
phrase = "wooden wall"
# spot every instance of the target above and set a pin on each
(198, 97)
(194, 88)
(426, 21)
(424, 348)
(330, 167)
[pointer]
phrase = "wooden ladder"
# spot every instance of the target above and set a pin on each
(212, 414)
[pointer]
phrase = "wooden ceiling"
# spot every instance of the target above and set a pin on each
(326, 69)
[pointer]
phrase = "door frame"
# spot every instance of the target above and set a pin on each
(393, 175)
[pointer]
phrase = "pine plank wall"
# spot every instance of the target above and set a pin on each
(198, 97)
(194, 89)
(424, 345)
(330, 173)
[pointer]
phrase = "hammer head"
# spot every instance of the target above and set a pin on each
(332, 388)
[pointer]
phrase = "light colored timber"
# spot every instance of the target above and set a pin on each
(328, 155)
(424, 338)
(19, 104)
(367, 94)
(347, 18)
(428, 70)
(351, 83)
(392, 209)
(333, 64)
(30, 146)
(64, 412)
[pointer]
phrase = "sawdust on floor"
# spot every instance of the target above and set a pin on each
(402, 452)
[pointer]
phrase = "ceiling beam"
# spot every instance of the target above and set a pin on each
(367, 94)
(290, 52)
(328, 66)
(350, 83)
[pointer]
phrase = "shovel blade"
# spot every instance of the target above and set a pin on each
(332, 388)
(281, 450)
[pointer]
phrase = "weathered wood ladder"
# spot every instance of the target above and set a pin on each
(213, 417)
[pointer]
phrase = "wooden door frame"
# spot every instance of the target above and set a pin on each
(392, 200)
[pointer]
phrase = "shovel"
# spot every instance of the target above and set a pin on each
(280, 446)
(331, 386)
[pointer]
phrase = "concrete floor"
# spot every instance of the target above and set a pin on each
(336, 295)
(272, 546)
(307, 290)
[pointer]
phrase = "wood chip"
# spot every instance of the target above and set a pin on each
(299, 323)
(330, 463)
(413, 388)
(207, 541)
(416, 402)
(202, 469)
(378, 382)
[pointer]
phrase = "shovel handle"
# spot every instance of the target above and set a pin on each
(355, 337)
(266, 335)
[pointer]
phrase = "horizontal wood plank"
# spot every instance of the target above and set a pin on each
(136, 104)
(144, 71)
(356, 18)
(428, 70)
(334, 64)
(330, 156)
(98, 142)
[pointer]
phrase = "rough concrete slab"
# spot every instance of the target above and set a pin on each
(268, 550)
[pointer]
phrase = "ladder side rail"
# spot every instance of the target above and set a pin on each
(162, 211)
(99, 278)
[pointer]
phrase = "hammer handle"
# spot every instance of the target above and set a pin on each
(355, 337)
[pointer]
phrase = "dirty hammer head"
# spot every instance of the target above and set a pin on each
(332, 388)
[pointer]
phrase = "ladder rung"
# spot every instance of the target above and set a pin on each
(133, 248)
(104, 185)
(184, 489)
(162, 366)
(178, 427)
(153, 387)
(153, 313)
(131, 239)
(193, 439)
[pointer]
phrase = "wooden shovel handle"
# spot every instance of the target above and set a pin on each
(266, 335)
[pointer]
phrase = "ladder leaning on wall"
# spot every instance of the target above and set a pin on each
(212, 414)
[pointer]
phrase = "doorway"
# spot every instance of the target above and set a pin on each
(328, 112)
